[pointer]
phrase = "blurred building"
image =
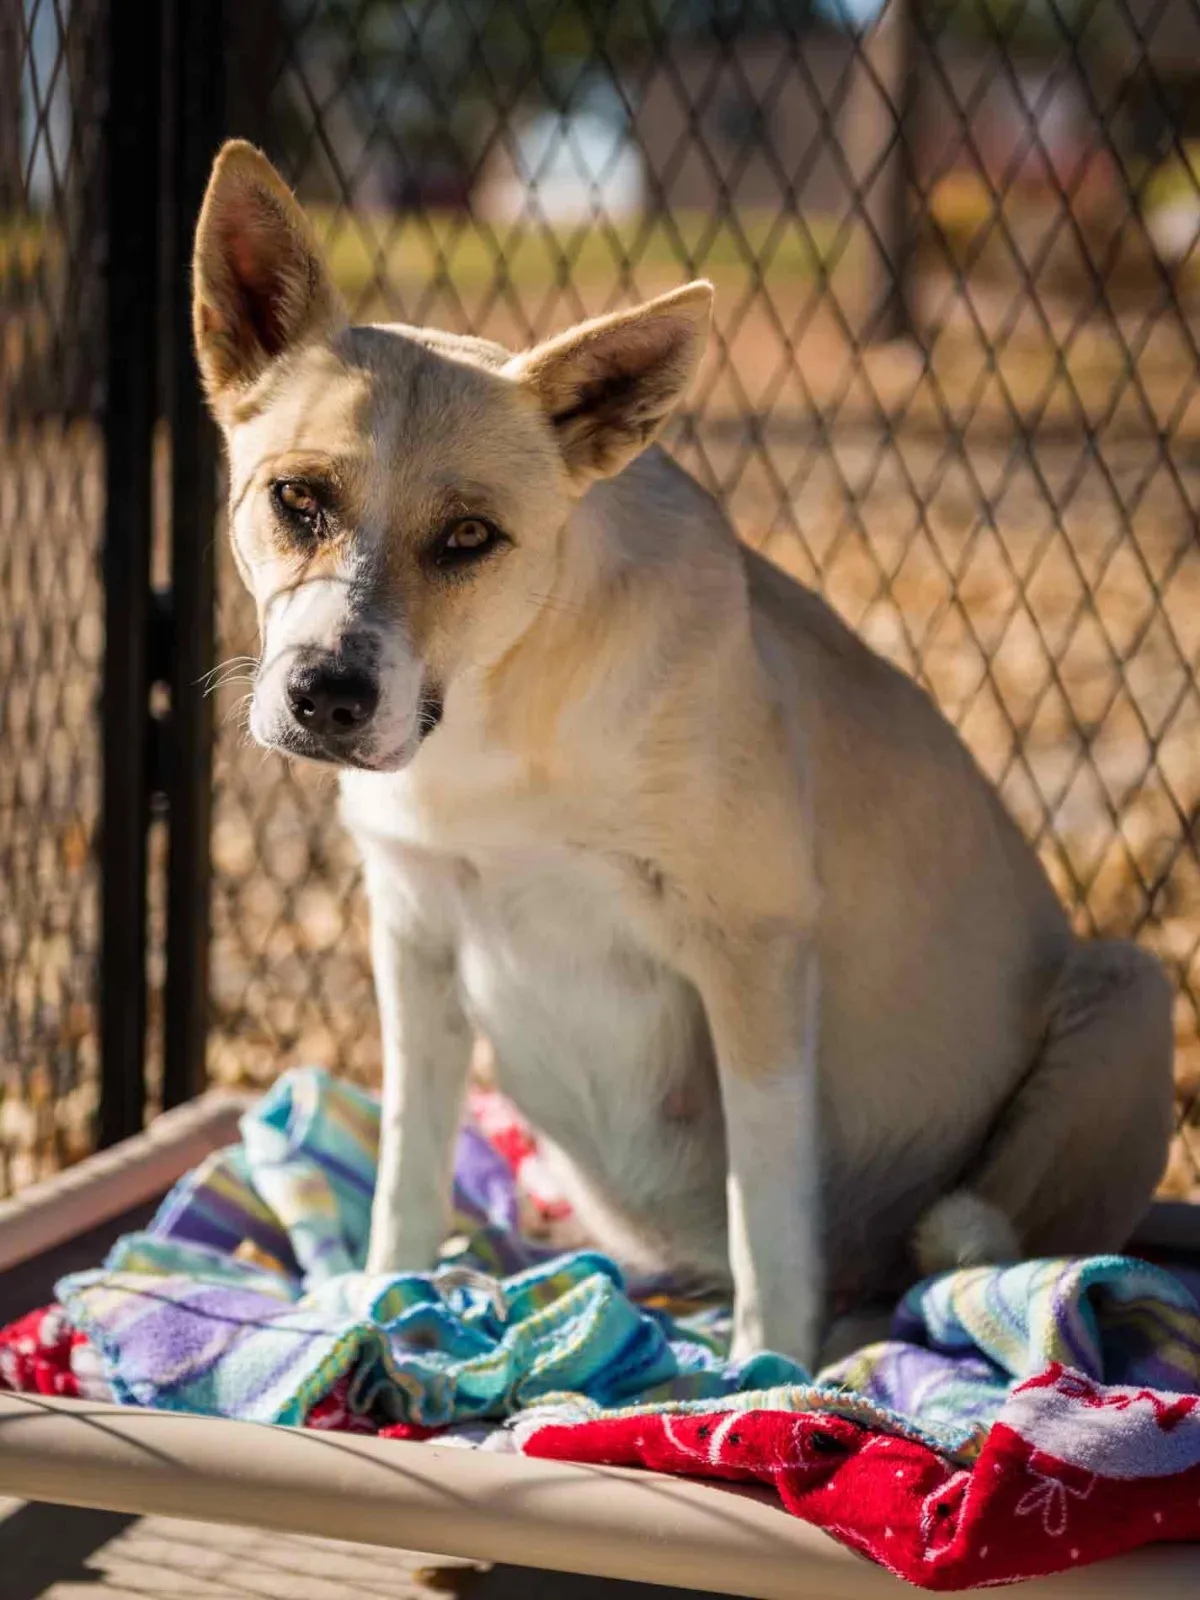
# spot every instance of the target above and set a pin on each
(563, 170)
(754, 121)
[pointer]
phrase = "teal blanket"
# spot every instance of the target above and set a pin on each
(246, 1298)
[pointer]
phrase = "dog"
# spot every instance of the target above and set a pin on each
(757, 948)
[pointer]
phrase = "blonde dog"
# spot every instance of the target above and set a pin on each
(757, 948)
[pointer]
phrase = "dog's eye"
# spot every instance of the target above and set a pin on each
(466, 540)
(470, 534)
(297, 501)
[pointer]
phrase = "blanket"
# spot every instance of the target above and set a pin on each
(1071, 1472)
(246, 1297)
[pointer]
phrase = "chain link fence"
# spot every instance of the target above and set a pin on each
(952, 384)
(51, 470)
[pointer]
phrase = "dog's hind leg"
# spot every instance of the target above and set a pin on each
(1073, 1159)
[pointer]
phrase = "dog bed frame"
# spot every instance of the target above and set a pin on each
(452, 1502)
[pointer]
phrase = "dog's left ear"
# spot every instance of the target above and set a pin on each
(608, 386)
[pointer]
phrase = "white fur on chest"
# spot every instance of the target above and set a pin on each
(603, 1049)
(581, 1019)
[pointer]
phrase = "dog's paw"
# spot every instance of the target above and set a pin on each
(964, 1230)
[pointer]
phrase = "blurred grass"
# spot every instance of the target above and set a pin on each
(26, 244)
(407, 251)
(1177, 178)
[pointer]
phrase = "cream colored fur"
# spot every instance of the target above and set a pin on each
(756, 946)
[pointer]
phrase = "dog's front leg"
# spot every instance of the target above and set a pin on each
(426, 1054)
(761, 1001)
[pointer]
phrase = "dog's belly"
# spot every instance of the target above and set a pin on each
(608, 1055)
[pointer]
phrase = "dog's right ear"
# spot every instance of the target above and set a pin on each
(259, 285)
(608, 386)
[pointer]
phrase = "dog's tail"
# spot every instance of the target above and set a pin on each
(964, 1230)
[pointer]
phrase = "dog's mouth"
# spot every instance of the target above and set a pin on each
(310, 750)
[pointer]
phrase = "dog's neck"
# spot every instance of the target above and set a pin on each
(650, 582)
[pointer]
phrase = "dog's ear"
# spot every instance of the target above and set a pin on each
(608, 386)
(259, 285)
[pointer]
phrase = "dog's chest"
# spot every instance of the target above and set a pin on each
(603, 1048)
(593, 1037)
(605, 1051)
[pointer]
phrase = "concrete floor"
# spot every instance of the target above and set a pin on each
(58, 1553)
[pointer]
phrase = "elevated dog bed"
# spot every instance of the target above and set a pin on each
(928, 1453)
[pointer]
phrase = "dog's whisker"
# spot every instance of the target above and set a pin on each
(228, 683)
(233, 663)
(239, 710)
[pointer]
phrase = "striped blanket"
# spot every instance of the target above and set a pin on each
(246, 1297)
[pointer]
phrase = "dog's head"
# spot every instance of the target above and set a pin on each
(398, 497)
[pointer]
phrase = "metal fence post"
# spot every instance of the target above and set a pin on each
(12, 186)
(880, 137)
(131, 154)
(198, 117)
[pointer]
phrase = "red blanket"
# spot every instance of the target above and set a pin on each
(38, 1355)
(1072, 1473)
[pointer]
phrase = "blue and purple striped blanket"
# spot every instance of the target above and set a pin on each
(246, 1298)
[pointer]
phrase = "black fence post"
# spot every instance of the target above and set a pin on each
(197, 95)
(132, 120)
(12, 175)
(880, 140)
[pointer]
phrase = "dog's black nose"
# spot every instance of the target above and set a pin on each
(332, 702)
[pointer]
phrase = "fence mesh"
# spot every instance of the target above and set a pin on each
(51, 75)
(952, 384)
